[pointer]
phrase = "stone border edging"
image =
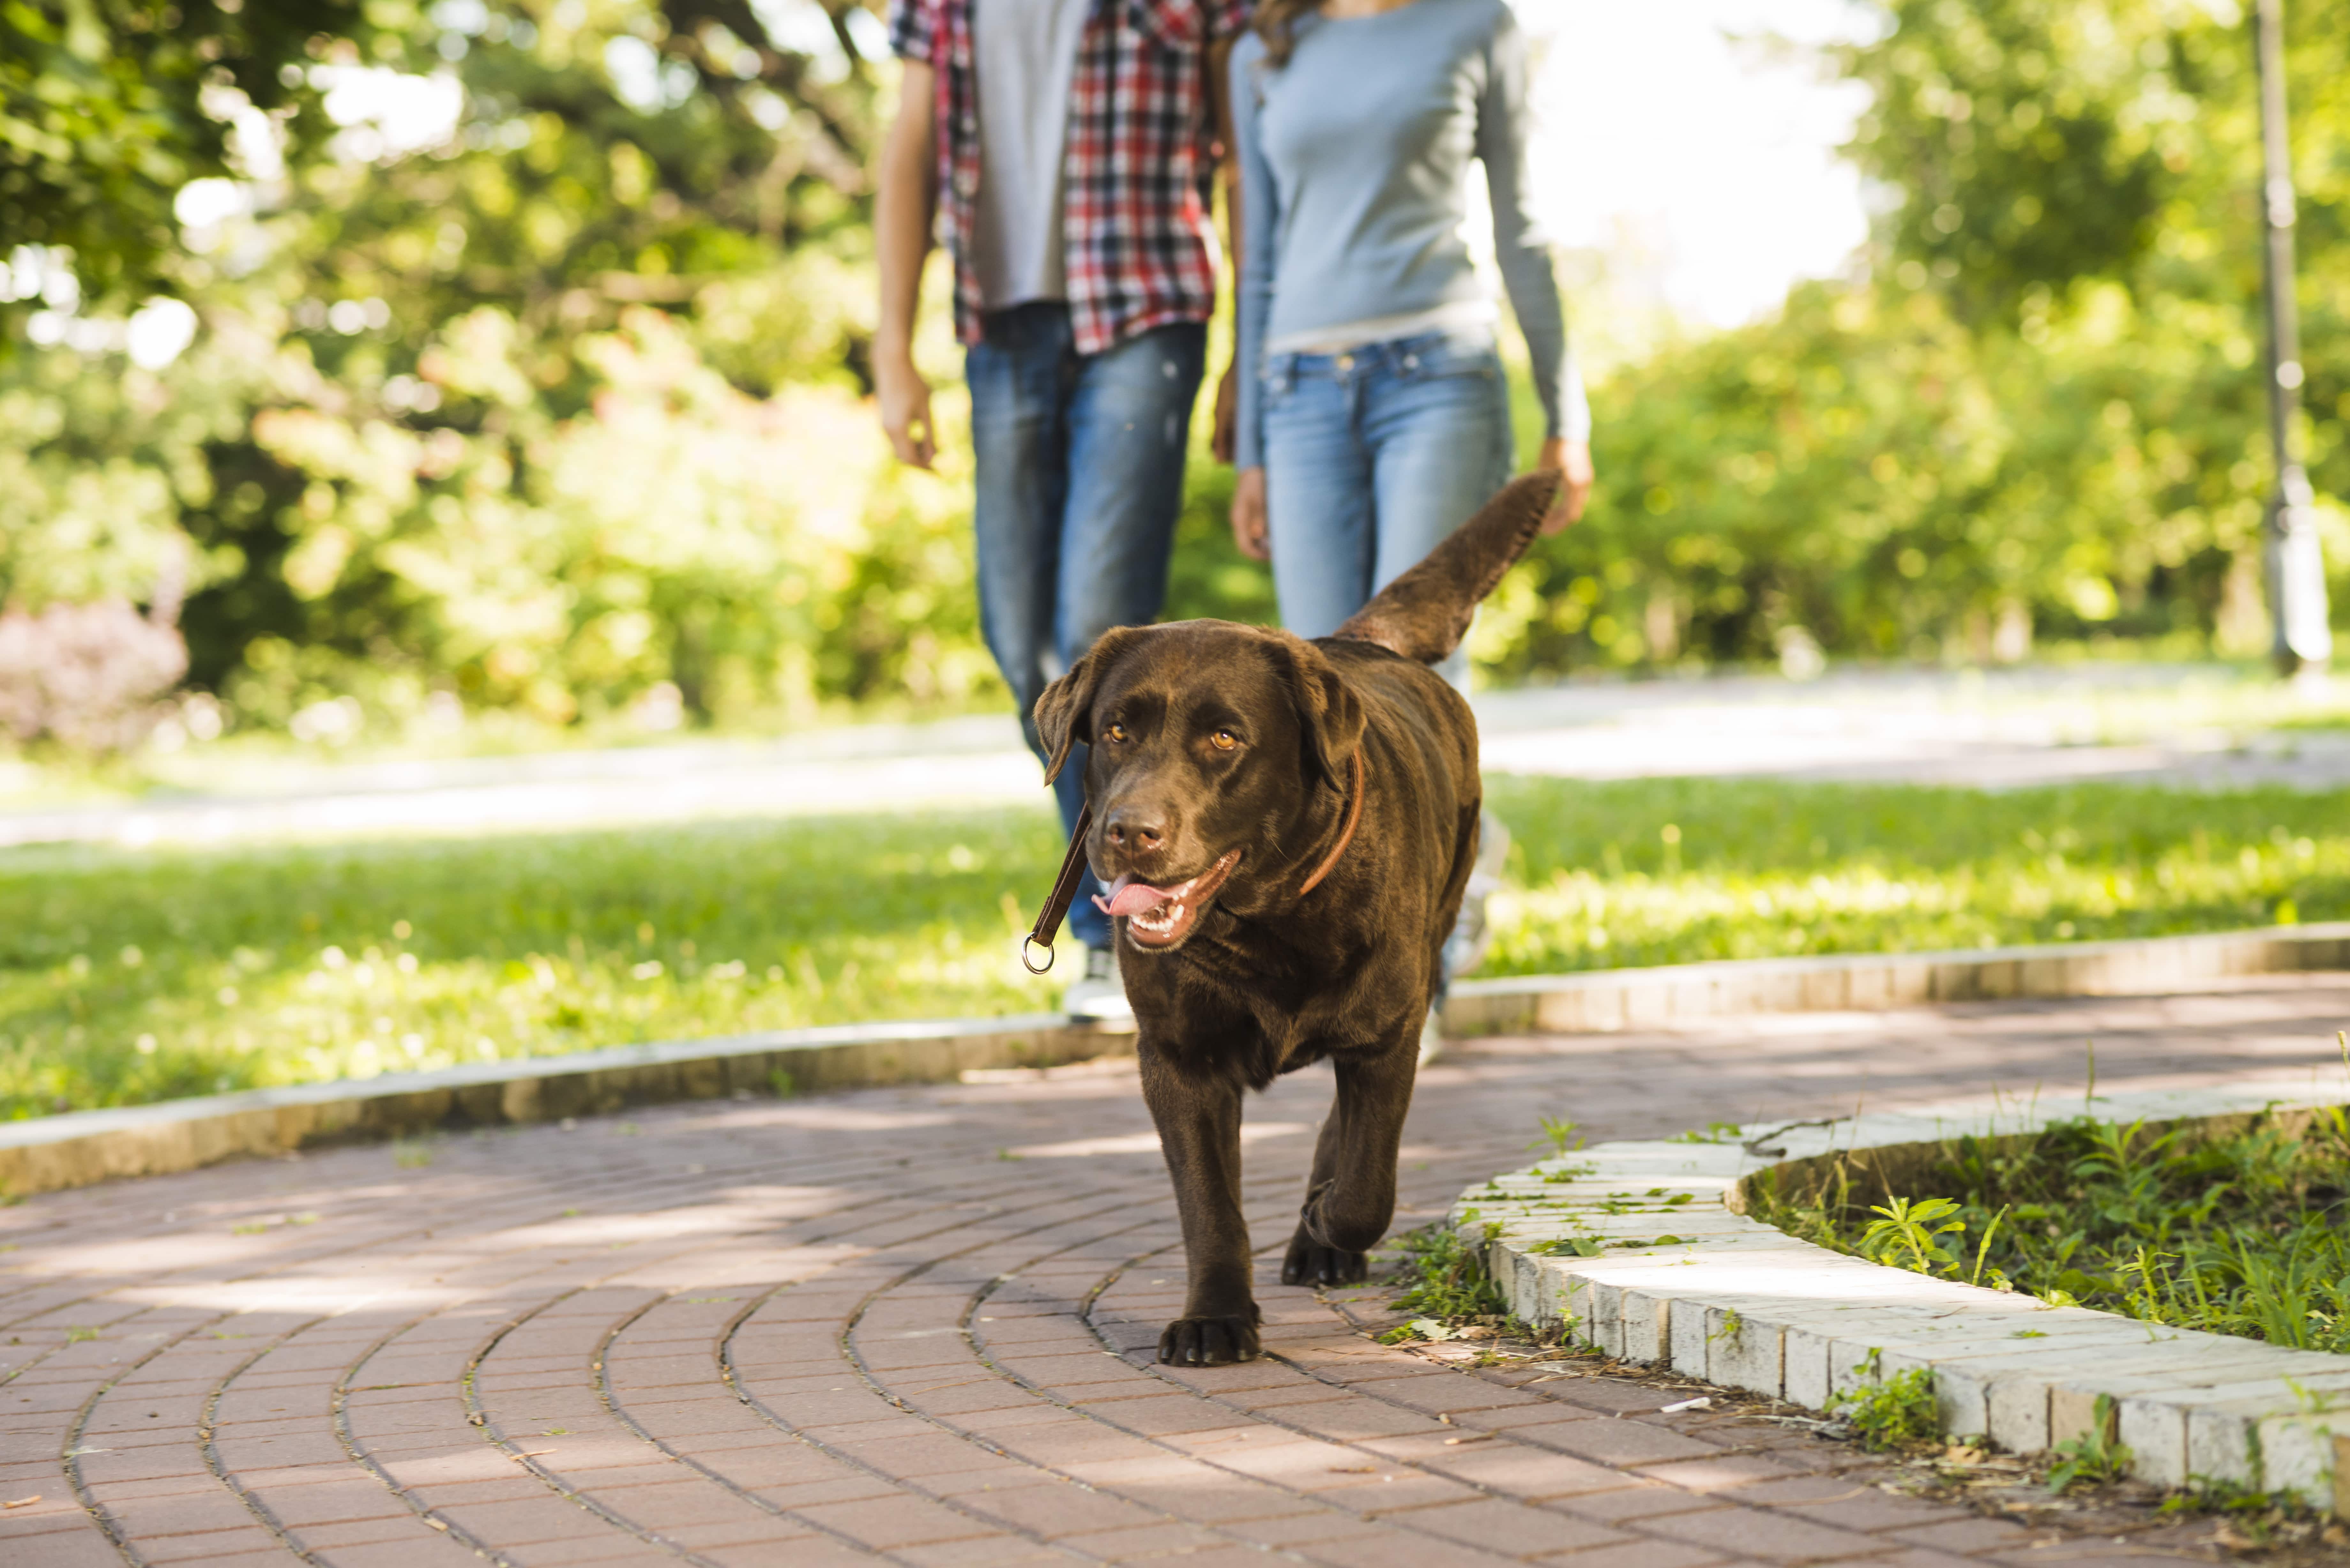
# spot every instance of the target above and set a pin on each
(49, 1153)
(1676, 1273)
(1608, 999)
(73, 1149)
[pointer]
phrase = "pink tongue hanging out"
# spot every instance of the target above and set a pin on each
(1128, 896)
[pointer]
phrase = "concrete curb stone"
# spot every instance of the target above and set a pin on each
(1643, 1251)
(1609, 1000)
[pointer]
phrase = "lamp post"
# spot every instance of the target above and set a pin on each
(2296, 567)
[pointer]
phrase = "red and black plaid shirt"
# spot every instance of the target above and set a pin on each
(1137, 243)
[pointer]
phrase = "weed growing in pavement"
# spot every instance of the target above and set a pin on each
(2258, 1513)
(2238, 1231)
(1889, 1414)
(1443, 1280)
(1559, 1136)
(128, 976)
(2097, 1456)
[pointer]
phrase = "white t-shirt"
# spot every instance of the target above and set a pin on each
(1024, 57)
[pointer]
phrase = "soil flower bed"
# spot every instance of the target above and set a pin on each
(2236, 1226)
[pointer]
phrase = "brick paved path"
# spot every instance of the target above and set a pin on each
(914, 1327)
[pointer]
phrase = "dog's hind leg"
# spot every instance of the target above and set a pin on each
(1350, 1199)
(1199, 1121)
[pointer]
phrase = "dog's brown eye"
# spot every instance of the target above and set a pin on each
(1116, 733)
(1224, 739)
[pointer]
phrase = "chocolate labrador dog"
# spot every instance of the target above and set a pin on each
(1285, 828)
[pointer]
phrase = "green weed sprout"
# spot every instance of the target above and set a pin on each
(1890, 1413)
(2096, 1456)
(1558, 1135)
(1915, 1227)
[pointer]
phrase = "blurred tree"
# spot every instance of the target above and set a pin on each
(107, 108)
(452, 279)
(2039, 148)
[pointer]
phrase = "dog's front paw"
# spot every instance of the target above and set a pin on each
(1208, 1341)
(1309, 1262)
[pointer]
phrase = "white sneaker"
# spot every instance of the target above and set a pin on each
(1099, 996)
(1431, 1035)
(1464, 949)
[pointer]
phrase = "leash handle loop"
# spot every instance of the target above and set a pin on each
(1064, 894)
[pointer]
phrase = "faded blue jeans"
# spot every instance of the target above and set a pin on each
(1372, 457)
(1080, 479)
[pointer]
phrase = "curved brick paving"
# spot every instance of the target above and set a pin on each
(914, 1327)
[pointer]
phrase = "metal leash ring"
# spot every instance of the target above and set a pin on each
(1028, 941)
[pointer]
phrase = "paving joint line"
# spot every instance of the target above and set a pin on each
(757, 1408)
(367, 1460)
(480, 1416)
(1054, 1475)
(207, 1445)
(70, 1457)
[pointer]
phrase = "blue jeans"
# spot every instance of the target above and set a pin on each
(1080, 478)
(1373, 457)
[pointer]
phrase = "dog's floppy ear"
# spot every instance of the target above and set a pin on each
(1330, 714)
(1064, 714)
(1425, 613)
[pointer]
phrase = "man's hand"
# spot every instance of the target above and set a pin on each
(905, 399)
(1572, 458)
(904, 203)
(1224, 438)
(1249, 526)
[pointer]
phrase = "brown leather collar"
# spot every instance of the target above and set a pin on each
(1346, 836)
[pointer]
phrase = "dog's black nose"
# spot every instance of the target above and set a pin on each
(1137, 830)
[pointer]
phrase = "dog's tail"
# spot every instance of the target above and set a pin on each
(1425, 613)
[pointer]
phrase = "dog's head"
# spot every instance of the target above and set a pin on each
(1208, 744)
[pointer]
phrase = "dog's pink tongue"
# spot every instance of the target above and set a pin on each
(1128, 896)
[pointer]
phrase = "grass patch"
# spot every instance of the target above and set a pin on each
(1679, 870)
(130, 976)
(2234, 1231)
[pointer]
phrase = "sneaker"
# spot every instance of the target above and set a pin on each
(1099, 996)
(1431, 1035)
(1464, 949)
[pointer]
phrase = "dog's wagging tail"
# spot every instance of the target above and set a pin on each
(1426, 612)
(1285, 829)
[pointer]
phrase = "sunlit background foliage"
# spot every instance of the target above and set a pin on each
(502, 361)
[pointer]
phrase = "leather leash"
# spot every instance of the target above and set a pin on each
(1064, 893)
(1073, 867)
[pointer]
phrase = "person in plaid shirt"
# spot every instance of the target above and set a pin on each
(1062, 151)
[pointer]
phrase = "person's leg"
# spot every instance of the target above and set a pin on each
(1019, 440)
(1437, 418)
(1130, 424)
(1317, 481)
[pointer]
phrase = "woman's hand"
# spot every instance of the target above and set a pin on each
(1573, 460)
(1249, 531)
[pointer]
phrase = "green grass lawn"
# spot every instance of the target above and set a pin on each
(132, 976)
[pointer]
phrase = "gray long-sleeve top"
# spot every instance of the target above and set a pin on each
(1354, 162)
